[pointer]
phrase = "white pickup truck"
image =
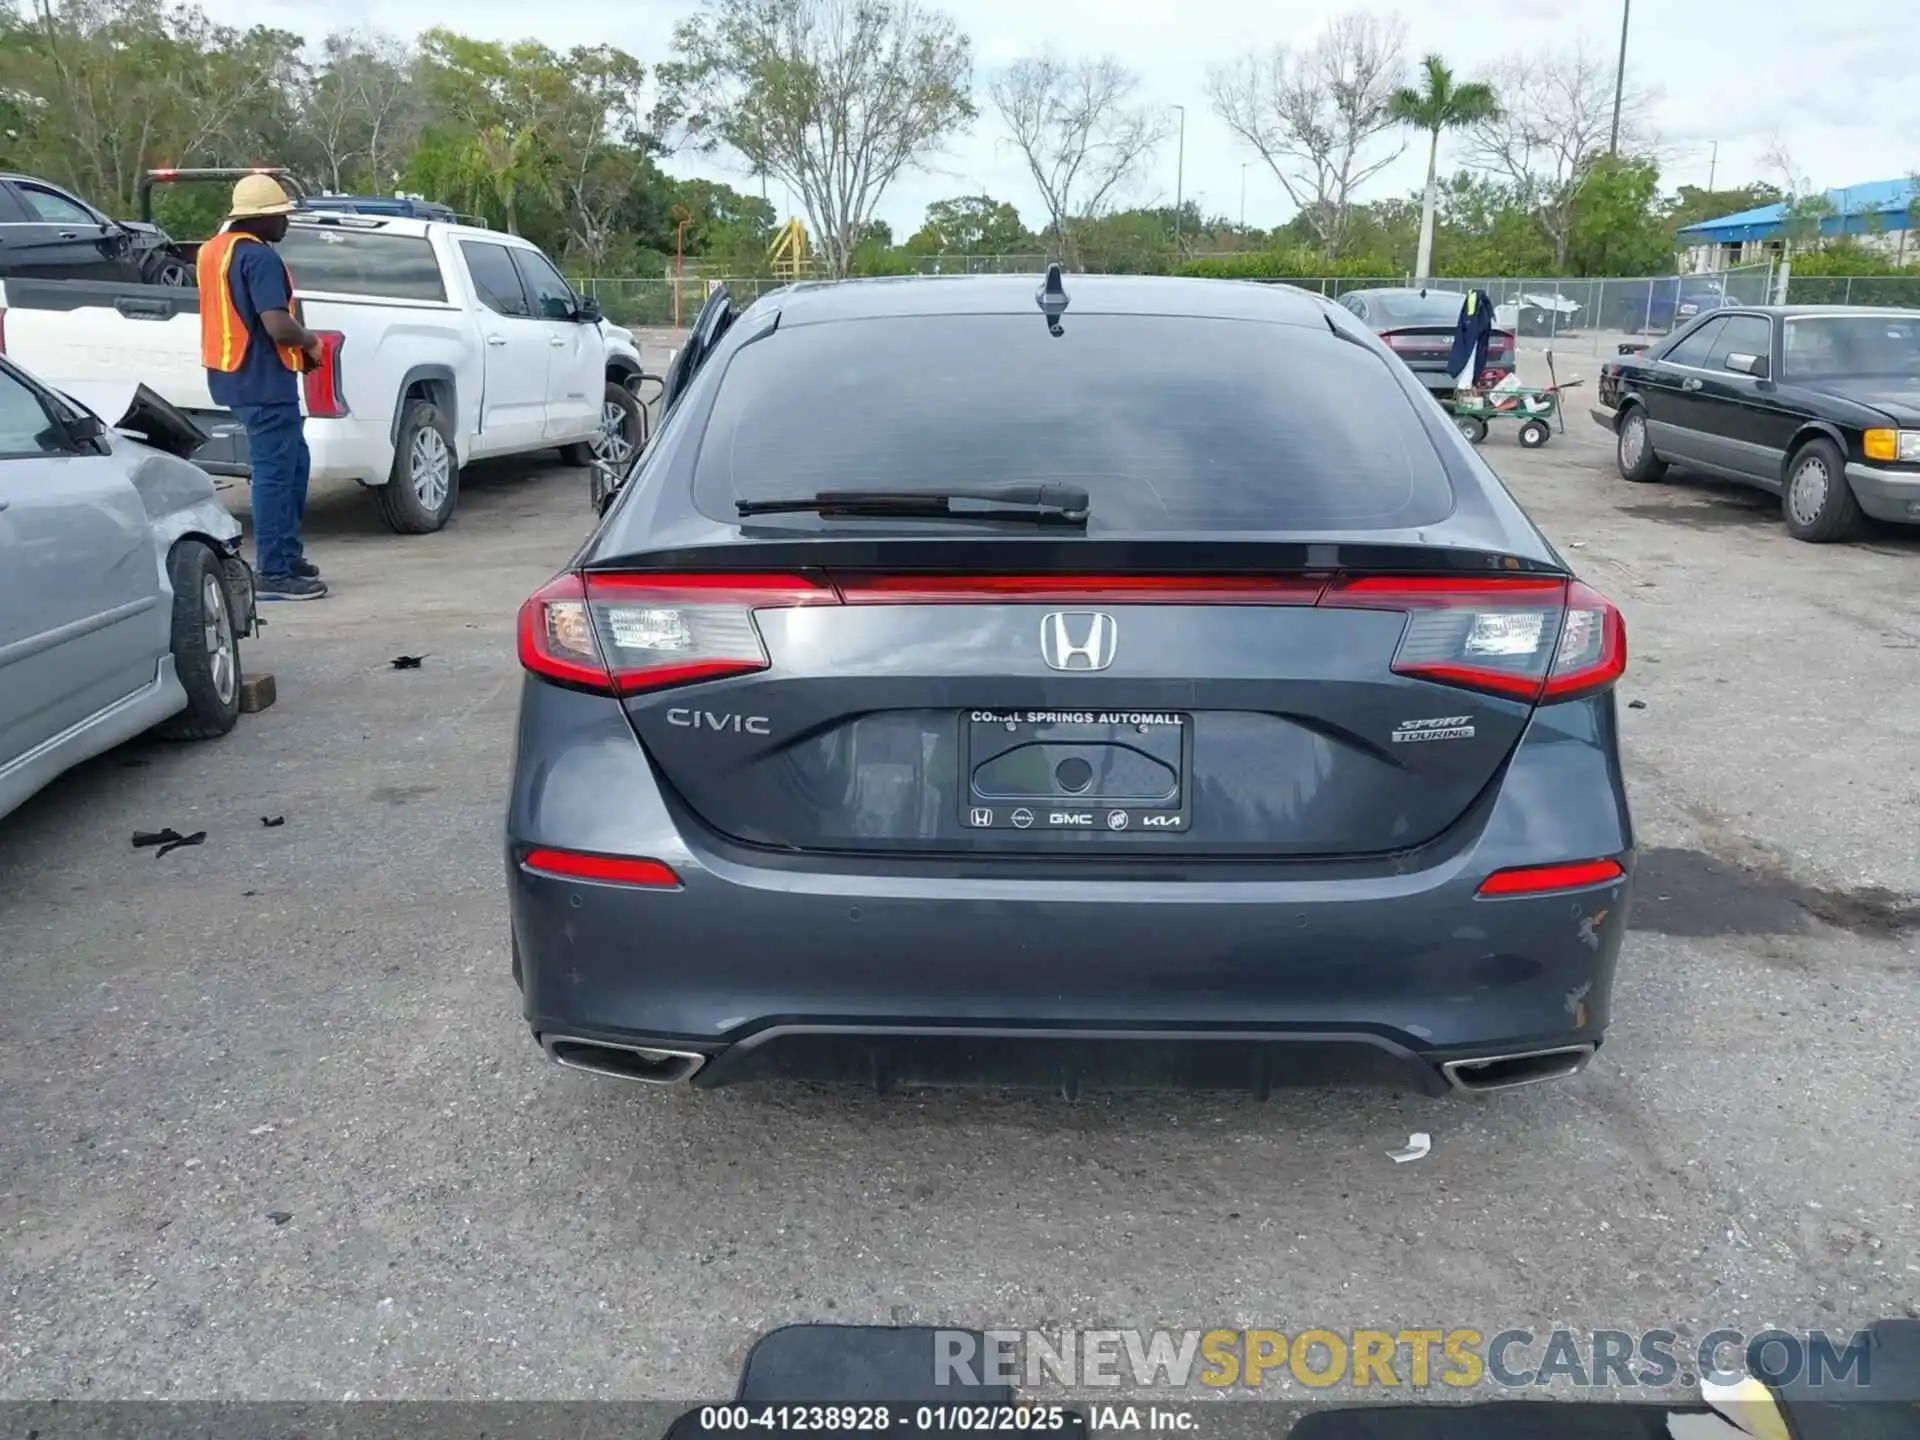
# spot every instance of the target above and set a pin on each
(444, 344)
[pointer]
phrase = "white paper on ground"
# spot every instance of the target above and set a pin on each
(1418, 1144)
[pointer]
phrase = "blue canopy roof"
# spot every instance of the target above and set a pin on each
(1886, 201)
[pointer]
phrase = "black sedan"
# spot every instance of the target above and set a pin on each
(1418, 326)
(1819, 405)
(48, 234)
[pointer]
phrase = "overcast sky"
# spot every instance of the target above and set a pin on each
(1832, 81)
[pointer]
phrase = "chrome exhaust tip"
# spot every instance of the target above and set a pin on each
(1516, 1068)
(646, 1064)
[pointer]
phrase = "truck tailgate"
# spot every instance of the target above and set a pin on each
(83, 330)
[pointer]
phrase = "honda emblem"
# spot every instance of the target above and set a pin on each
(1078, 640)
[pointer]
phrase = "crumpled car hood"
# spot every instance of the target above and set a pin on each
(133, 409)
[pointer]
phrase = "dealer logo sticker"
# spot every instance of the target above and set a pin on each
(1437, 727)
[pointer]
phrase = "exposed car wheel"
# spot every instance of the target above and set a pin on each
(163, 269)
(1534, 434)
(1471, 426)
(424, 485)
(1633, 449)
(1818, 503)
(623, 430)
(205, 645)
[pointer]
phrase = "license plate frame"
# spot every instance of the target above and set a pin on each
(1157, 739)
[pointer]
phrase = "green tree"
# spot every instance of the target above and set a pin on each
(972, 225)
(485, 144)
(1441, 103)
(836, 98)
(102, 90)
(1617, 229)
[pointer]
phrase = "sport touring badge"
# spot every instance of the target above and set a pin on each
(1438, 727)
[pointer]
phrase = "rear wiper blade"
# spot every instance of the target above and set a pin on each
(1034, 504)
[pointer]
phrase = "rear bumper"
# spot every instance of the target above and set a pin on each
(765, 965)
(344, 449)
(1886, 494)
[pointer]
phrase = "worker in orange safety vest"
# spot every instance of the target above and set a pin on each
(255, 349)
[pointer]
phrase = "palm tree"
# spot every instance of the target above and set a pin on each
(1441, 105)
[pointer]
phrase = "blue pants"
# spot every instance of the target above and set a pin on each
(277, 451)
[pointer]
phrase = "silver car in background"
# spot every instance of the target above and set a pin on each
(123, 595)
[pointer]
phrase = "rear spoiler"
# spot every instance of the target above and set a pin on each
(207, 174)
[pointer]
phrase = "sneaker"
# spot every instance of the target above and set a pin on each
(305, 569)
(288, 587)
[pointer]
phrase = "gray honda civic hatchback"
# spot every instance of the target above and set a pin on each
(1114, 682)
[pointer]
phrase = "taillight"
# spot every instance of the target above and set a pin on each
(1499, 345)
(326, 397)
(621, 634)
(1545, 879)
(1534, 640)
(1407, 342)
(601, 869)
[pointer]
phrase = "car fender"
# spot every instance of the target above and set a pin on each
(1812, 430)
(181, 504)
(623, 354)
(443, 386)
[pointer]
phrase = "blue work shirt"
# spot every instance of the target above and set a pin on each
(258, 281)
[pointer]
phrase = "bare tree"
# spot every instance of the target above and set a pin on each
(835, 98)
(1319, 116)
(1555, 120)
(1077, 126)
(361, 111)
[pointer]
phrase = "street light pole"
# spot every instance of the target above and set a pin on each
(1620, 77)
(1179, 178)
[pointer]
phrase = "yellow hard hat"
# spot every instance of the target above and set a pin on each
(259, 195)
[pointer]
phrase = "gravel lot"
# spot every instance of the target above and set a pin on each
(273, 1128)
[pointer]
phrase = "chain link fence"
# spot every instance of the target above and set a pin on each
(1574, 316)
(1897, 290)
(1586, 316)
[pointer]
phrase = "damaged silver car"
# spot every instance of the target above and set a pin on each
(123, 593)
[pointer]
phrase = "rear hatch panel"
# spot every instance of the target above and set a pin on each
(1220, 730)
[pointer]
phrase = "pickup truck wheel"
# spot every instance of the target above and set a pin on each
(205, 645)
(1817, 502)
(1633, 449)
(420, 494)
(623, 429)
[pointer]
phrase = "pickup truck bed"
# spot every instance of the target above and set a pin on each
(463, 332)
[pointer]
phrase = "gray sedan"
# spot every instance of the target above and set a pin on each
(123, 594)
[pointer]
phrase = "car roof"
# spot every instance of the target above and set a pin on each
(1404, 290)
(813, 302)
(402, 225)
(1804, 312)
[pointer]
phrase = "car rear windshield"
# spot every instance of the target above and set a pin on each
(344, 261)
(1434, 308)
(1171, 424)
